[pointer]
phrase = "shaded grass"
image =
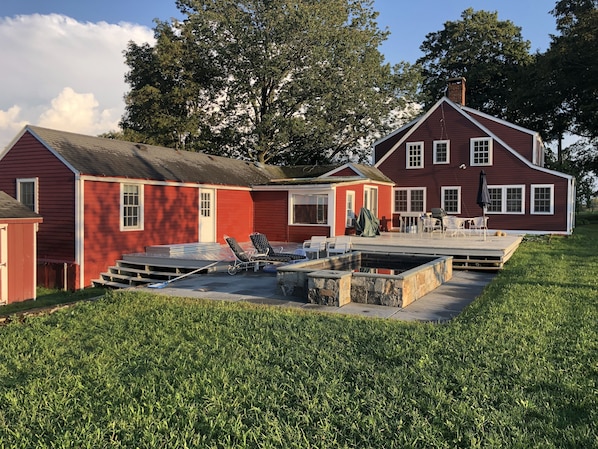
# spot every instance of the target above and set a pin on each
(518, 368)
(51, 297)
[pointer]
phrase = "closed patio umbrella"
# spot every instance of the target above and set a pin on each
(483, 199)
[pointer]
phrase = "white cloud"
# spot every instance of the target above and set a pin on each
(63, 74)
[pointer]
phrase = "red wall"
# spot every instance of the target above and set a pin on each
(507, 169)
(56, 185)
(170, 216)
(234, 215)
(21, 260)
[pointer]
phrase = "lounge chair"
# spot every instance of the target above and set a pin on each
(244, 259)
(263, 246)
(340, 245)
(317, 244)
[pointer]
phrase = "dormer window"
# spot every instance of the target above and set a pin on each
(481, 151)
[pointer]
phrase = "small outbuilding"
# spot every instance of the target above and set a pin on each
(18, 246)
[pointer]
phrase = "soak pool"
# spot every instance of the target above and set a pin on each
(387, 279)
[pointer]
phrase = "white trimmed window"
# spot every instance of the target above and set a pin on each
(131, 207)
(481, 151)
(27, 193)
(350, 209)
(506, 199)
(542, 199)
(442, 151)
(370, 199)
(415, 155)
(411, 199)
(309, 208)
(451, 199)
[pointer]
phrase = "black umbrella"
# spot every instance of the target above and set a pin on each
(483, 199)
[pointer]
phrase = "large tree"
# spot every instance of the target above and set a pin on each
(486, 51)
(279, 81)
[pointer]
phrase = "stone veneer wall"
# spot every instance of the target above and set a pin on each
(325, 282)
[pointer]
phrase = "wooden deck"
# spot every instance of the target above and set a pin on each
(470, 252)
(166, 262)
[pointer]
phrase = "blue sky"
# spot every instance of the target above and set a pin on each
(63, 65)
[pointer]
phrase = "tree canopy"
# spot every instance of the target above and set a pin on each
(486, 51)
(278, 81)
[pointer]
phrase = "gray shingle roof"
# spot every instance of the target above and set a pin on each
(99, 156)
(11, 208)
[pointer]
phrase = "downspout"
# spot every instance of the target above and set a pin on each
(79, 229)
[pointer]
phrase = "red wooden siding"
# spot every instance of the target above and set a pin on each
(347, 171)
(170, 216)
(234, 214)
(21, 260)
(30, 159)
(520, 141)
(271, 212)
(507, 169)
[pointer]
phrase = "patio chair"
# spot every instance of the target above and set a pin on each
(317, 244)
(263, 246)
(340, 245)
(453, 226)
(479, 225)
(431, 225)
(244, 259)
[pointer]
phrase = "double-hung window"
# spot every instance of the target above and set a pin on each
(481, 151)
(442, 151)
(542, 199)
(451, 199)
(506, 199)
(131, 207)
(410, 200)
(27, 192)
(350, 207)
(415, 155)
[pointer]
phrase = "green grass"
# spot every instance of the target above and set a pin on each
(50, 297)
(517, 369)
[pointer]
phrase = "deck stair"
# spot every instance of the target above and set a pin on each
(159, 264)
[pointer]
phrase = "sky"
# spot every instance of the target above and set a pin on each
(62, 63)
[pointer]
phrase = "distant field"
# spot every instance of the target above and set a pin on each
(518, 368)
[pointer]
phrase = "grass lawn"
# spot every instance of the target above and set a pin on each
(517, 369)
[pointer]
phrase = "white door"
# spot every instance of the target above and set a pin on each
(207, 215)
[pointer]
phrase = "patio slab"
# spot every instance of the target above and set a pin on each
(441, 305)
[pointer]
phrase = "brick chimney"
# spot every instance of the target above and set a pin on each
(456, 90)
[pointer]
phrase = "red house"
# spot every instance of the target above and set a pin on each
(102, 198)
(435, 162)
(18, 229)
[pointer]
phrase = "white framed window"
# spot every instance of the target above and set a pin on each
(27, 193)
(506, 199)
(411, 199)
(451, 199)
(309, 208)
(542, 200)
(480, 151)
(131, 207)
(350, 209)
(415, 154)
(442, 151)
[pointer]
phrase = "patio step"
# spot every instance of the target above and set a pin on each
(127, 274)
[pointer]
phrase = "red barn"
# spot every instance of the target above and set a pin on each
(102, 198)
(435, 162)
(18, 229)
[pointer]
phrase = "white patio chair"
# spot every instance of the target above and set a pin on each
(453, 226)
(431, 225)
(479, 225)
(340, 245)
(317, 244)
